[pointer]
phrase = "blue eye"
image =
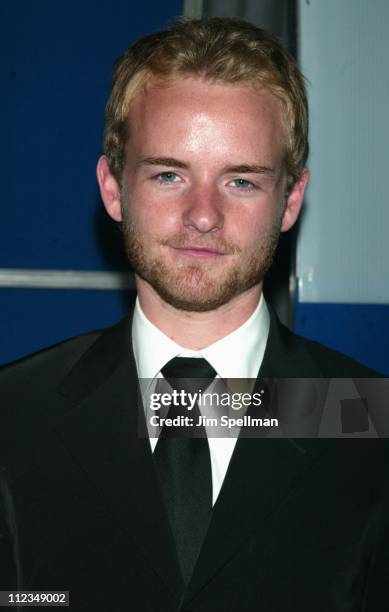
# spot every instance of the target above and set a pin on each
(167, 177)
(243, 184)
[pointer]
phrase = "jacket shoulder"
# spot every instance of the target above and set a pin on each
(48, 365)
(334, 364)
(290, 355)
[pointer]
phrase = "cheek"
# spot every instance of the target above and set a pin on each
(151, 215)
(248, 229)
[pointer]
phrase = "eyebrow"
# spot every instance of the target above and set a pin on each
(250, 169)
(170, 162)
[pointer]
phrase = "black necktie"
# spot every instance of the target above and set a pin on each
(184, 467)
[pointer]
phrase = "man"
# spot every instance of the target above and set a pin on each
(204, 166)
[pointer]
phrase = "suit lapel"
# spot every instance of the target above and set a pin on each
(261, 472)
(101, 432)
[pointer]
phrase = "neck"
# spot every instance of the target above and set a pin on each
(196, 330)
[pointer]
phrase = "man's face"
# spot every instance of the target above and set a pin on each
(203, 198)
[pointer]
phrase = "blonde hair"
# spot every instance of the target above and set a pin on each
(227, 50)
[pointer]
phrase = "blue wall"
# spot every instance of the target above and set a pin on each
(56, 66)
(358, 330)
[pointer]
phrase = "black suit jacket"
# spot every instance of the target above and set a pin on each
(298, 525)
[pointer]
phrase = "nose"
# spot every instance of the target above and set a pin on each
(204, 211)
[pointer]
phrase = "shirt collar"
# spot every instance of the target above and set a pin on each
(237, 355)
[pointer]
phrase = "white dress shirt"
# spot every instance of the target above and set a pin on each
(237, 355)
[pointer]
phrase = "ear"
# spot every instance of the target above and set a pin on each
(109, 189)
(294, 201)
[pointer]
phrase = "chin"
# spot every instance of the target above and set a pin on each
(198, 287)
(200, 296)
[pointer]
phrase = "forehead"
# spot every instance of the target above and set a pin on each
(193, 112)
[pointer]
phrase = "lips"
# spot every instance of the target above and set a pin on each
(197, 251)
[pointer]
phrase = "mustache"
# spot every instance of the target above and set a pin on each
(218, 245)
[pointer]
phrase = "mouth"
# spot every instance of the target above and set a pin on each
(199, 252)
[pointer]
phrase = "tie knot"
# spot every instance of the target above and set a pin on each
(180, 371)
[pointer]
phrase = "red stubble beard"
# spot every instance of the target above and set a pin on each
(203, 285)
